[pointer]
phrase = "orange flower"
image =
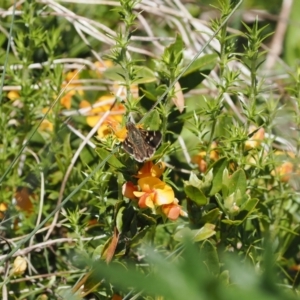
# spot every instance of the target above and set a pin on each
(154, 192)
(284, 171)
(65, 100)
(71, 87)
(256, 139)
(200, 158)
(148, 169)
(128, 190)
(101, 106)
(173, 210)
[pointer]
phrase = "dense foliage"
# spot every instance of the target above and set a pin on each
(198, 200)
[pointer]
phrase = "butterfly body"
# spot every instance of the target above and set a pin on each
(140, 143)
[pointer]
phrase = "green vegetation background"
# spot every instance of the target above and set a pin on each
(61, 205)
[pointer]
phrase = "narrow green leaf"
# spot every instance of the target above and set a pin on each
(232, 222)
(119, 219)
(87, 155)
(113, 161)
(218, 168)
(143, 74)
(220, 202)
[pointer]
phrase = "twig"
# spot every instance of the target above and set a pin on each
(42, 245)
(279, 35)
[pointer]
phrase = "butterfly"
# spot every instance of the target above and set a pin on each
(140, 143)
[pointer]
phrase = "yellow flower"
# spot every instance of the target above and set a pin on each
(72, 75)
(46, 126)
(13, 95)
(19, 266)
(256, 139)
(149, 169)
(113, 120)
(214, 154)
(3, 209)
(154, 192)
(45, 110)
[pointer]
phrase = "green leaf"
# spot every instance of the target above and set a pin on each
(149, 94)
(203, 184)
(135, 241)
(113, 161)
(210, 257)
(152, 120)
(87, 155)
(225, 183)
(197, 72)
(196, 235)
(249, 206)
(218, 168)
(220, 201)
(292, 37)
(195, 195)
(173, 53)
(146, 220)
(143, 74)
(237, 181)
(119, 219)
(194, 181)
(212, 216)
(205, 232)
(224, 277)
(183, 234)
(232, 222)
